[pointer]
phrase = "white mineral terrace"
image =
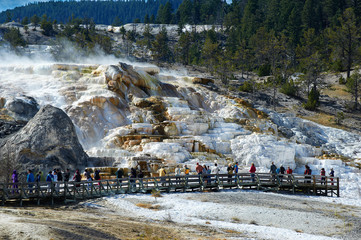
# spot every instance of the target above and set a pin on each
(105, 104)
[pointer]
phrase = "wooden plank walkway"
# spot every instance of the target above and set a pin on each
(74, 191)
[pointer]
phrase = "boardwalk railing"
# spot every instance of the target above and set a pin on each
(73, 191)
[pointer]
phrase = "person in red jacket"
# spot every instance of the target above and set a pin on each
(323, 173)
(252, 170)
(289, 171)
(199, 169)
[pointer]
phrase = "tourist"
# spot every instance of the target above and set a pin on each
(235, 168)
(215, 169)
(133, 173)
(55, 176)
(15, 181)
(332, 174)
(273, 171)
(252, 170)
(97, 175)
(282, 171)
(273, 168)
(177, 172)
(87, 175)
(67, 175)
(30, 179)
(162, 174)
(230, 172)
(307, 172)
(77, 177)
(119, 173)
(323, 173)
(209, 177)
(289, 171)
(60, 175)
(140, 176)
(133, 176)
(49, 179)
(186, 170)
(204, 173)
(39, 176)
(199, 169)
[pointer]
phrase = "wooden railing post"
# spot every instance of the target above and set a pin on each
(52, 188)
(314, 185)
(338, 187)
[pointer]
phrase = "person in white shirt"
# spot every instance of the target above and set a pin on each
(177, 172)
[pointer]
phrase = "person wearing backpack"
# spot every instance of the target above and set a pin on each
(307, 172)
(186, 170)
(77, 177)
(67, 175)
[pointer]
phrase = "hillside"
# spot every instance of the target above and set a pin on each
(102, 12)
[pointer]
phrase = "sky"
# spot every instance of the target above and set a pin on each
(9, 4)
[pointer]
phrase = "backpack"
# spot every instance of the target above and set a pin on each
(186, 171)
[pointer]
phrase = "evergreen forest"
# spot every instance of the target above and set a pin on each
(270, 37)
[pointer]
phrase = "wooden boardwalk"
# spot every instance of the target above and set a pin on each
(48, 192)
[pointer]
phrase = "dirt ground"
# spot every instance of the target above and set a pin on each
(97, 219)
(77, 221)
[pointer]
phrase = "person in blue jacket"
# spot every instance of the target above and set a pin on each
(235, 169)
(49, 179)
(30, 178)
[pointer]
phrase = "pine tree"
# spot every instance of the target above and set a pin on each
(183, 48)
(160, 47)
(345, 39)
(354, 86)
(13, 36)
(35, 20)
(25, 21)
(251, 20)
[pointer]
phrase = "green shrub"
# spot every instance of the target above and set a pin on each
(289, 88)
(246, 87)
(339, 118)
(313, 100)
(337, 66)
(264, 70)
(342, 80)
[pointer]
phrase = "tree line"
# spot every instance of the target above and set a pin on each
(102, 12)
(271, 37)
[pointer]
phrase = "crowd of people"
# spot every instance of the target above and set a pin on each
(232, 169)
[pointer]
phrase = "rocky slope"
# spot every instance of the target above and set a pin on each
(48, 140)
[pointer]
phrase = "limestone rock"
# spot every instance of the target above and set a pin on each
(48, 140)
(22, 108)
